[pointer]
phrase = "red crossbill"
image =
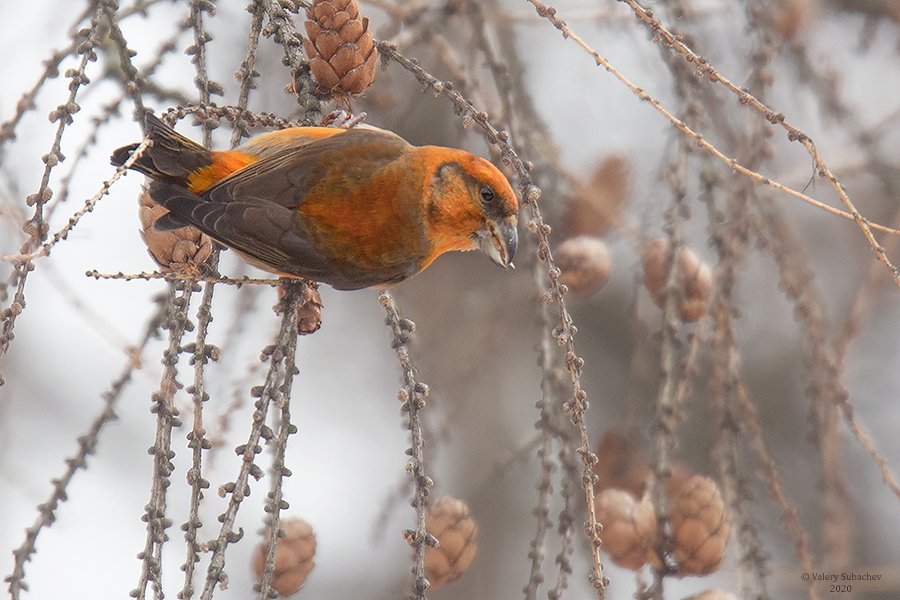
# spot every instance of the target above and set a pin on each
(352, 208)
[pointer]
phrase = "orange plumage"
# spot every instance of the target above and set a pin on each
(349, 207)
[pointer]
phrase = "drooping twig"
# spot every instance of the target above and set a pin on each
(792, 272)
(564, 331)
(177, 322)
(87, 445)
(751, 428)
(132, 79)
(731, 244)
(275, 502)
(546, 426)
(281, 27)
(51, 70)
(280, 356)
(89, 206)
(201, 352)
(412, 396)
(36, 227)
(247, 73)
(664, 420)
(197, 50)
(702, 65)
(732, 163)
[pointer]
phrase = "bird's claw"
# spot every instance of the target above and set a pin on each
(341, 119)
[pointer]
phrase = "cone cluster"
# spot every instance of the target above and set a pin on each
(630, 534)
(694, 288)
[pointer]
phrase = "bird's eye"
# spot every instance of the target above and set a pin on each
(487, 195)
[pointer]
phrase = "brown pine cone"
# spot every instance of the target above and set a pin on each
(623, 462)
(629, 527)
(596, 207)
(293, 557)
(342, 54)
(309, 314)
(449, 521)
(695, 277)
(699, 528)
(585, 264)
(183, 250)
(790, 16)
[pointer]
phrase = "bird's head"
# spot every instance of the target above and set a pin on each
(472, 206)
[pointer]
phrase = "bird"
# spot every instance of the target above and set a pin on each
(351, 208)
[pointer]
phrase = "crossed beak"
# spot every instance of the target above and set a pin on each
(498, 239)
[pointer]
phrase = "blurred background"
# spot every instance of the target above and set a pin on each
(795, 314)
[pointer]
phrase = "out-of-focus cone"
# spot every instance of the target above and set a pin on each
(584, 263)
(342, 54)
(695, 287)
(623, 462)
(790, 16)
(185, 250)
(450, 522)
(293, 557)
(629, 527)
(699, 528)
(596, 207)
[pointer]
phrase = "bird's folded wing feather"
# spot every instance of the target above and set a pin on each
(254, 210)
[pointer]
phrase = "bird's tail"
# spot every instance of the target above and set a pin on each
(172, 157)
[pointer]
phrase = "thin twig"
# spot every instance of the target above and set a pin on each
(167, 276)
(278, 354)
(665, 422)
(731, 243)
(87, 445)
(202, 352)
(36, 227)
(664, 36)
(545, 424)
(281, 27)
(51, 70)
(276, 503)
(197, 50)
(132, 79)
(564, 331)
(827, 377)
(412, 397)
(751, 428)
(247, 73)
(89, 206)
(732, 163)
(176, 321)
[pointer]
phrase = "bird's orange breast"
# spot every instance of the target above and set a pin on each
(370, 219)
